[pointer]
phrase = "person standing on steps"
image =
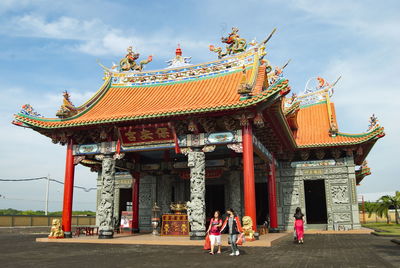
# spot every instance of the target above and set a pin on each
(299, 225)
(235, 228)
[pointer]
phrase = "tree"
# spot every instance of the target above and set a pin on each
(395, 200)
(386, 202)
(383, 206)
(370, 207)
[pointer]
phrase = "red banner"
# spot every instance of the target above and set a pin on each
(150, 134)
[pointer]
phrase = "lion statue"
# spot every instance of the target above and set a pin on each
(248, 228)
(56, 231)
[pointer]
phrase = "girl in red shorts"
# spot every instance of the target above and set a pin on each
(214, 231)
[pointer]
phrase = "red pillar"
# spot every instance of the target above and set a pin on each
(273, 213)
(68, 191)
(248, 175)
(135, 201)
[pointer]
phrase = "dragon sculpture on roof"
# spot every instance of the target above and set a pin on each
(234, 44)
(129, 62)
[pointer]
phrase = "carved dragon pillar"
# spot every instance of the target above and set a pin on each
(196, 205)
(106, 206)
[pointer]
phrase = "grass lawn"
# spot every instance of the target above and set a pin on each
(383, 228)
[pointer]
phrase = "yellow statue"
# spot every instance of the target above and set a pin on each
(248, 228)
(67, 109)
(183, 228)
(166, 228)
(56, 231)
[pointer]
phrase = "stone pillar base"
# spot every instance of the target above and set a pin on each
(67, 235)
(106, 234)
(197, 235)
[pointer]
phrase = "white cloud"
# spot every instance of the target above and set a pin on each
(7, 5)
(96, 38)
(365, 18)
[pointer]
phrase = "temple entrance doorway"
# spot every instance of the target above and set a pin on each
(262, 206)
(125, 201)
(215, 199)
(315, 201)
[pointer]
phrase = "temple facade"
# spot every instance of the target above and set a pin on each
(212, 136)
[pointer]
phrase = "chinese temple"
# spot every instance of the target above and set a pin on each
(203, 137)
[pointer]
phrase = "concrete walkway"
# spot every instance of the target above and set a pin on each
(358, 231)
(341, 250)
(148, 239)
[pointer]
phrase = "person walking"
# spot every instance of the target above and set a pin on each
(235, 228)
(214, 231)
(299, 225)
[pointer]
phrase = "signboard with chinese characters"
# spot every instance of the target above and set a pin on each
(132, 136)
(316, 163)
(210, 173)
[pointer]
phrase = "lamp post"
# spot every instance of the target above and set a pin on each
(46, 210)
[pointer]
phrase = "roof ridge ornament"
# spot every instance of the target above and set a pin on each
(373, 123)
(67, 109)
(244, 88)
(316, 90)
(178, 61)
(129, 62)
(234, 44)
(276, 74)
(27, 109)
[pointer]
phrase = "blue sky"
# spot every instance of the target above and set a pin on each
(47, 47)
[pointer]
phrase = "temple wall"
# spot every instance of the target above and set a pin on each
(340, 191)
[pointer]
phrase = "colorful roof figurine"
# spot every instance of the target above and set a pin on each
(129, 62)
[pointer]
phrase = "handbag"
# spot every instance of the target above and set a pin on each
(207, 243)
(241, 239)
(294, 234)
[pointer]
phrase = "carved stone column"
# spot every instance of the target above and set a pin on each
(235, 192)
(196, 205)
(106, 206)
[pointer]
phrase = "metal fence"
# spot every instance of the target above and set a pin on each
(37, 221)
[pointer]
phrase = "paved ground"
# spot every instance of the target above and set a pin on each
(21, 250)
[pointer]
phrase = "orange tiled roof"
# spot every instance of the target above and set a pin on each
(118, 104)
(313, 130)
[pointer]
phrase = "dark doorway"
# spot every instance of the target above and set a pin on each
(125, 201)
(262, 206)
(215, 199)
(315, 201)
